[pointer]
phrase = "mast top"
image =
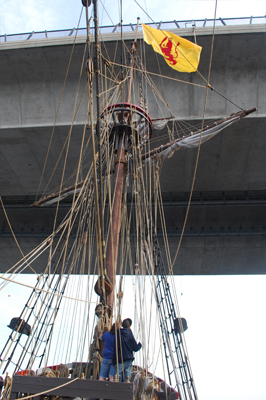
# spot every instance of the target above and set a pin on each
(129, 115)
(86, 3)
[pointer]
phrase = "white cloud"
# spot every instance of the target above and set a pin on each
(29, 15)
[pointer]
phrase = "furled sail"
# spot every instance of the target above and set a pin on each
(194, 139)
(160, 153)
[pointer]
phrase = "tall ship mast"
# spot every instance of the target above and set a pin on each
(109, 231)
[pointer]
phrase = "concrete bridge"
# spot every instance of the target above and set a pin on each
(226, 228)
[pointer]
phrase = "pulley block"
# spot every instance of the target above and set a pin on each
(102, 286)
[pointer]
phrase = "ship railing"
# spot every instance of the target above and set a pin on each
(199, 23)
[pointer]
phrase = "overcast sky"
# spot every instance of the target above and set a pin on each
(32, 15)
(226, 315)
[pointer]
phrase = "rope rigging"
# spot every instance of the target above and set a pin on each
(110, 229)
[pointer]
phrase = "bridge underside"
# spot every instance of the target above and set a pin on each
(225, 232)
(226, 229)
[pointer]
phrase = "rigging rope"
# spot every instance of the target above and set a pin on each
(162, 76)
(199, 148)
(47, 291)
(81, 207)
(47, 391)
(59, 105)
(10, 227)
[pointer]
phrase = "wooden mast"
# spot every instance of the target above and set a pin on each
(121, 138)
(113, 240)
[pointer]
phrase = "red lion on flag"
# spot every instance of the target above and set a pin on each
(169, 50)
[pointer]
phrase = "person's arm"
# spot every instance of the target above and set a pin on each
(115, 350)
(114, 358)
(101, 344)
(135, 346)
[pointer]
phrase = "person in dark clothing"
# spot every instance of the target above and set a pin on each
(125, 345)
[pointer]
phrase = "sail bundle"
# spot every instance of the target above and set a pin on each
(191, 141)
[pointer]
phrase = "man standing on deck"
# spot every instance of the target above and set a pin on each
(125, 344)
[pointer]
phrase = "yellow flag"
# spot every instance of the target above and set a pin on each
(179, 53)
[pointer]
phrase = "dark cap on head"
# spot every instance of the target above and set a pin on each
(127, 323)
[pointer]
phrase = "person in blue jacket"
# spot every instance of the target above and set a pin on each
(107, 368)
(125, 345)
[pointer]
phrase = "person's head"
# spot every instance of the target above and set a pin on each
(113, 329)
(127, 323)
